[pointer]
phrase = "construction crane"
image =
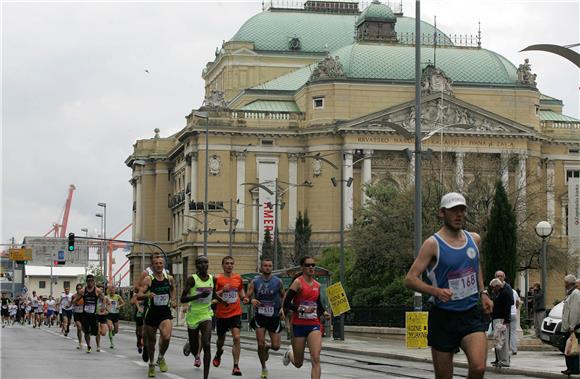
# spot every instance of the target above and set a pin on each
(60, 229)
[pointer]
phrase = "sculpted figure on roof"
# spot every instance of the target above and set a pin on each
(215, 100)
(328, 68)
(434, 80)
(525, 75)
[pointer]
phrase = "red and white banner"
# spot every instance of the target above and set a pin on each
(267, 173)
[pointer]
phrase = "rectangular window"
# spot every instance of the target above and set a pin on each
(572, 174)
(42, 284)
(66, 284)
(267, 142)
(318, 102)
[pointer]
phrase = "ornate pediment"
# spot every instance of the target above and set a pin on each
(440, 112)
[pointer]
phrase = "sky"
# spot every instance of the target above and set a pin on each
(76, 96)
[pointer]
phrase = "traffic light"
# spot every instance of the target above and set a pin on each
(71, 242)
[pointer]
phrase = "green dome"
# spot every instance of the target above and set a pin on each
(317, 32)
(396, 63)
(376, 12)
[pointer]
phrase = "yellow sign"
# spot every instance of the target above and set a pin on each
(337, 299)
(20, 254)
(416, 325)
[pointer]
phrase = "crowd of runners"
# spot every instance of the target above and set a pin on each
(210, 303)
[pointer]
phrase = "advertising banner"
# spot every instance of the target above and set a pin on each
(574, 213)
(267, 173)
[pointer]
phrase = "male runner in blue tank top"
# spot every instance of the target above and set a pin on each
(268, 292)
(451, 260)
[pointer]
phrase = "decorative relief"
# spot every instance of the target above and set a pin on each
(525, 75)
(434, 80)
(215, 164)
(328, 68)
(293, 157)
(215, 100)
(317, 167)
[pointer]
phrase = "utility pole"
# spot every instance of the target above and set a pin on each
(13, 271)
(231, 231)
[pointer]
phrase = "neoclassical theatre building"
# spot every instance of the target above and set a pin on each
(297, 93)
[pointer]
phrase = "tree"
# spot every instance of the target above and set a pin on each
(96, 271)
(500, 242)
(267, 246)
(302, 234)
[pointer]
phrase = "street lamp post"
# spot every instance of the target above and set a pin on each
(100, 215)
(104, 206)
(544, 229)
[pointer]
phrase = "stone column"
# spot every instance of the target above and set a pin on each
(139, 211)
(240, 194)
(187, 220)
(293, 191)
(366, 174)
(194, 179)
(505, 170)
(459, 170)
(521, 183)
(348, 191)
(550, 194)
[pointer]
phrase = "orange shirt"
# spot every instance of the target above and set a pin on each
(231, 306)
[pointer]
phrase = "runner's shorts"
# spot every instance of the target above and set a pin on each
(156, 316)
(67, 313)
(102, 319)
(90, 324)
(447, 328)
(304, 330)
(114, 317)
(272, 324)
(225, 324)
(5, 312)
(78, 317)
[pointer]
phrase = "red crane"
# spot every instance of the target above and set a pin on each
(60, 229)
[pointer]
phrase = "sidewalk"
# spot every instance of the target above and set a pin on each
(535, 363)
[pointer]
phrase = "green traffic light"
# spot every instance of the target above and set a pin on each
(71, 248)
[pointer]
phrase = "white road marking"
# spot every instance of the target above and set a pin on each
(120, 356)
(173, 376)
(142, 364)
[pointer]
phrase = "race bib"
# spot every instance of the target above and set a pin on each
(266, 308)
(308, 310)
(113, 306)
(463, 283)
(90, 308)
(204, 299)
(161, 300)
(230, 296)
(78, 309)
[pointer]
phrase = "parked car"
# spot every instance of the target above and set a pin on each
(550, 332)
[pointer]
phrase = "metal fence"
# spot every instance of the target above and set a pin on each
(385, 316)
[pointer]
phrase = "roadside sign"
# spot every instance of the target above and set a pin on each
(20, 254)
(416, 327)
(337, 299)
(47, 250)
(24, 290)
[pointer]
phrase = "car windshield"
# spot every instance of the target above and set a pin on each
(556, 312)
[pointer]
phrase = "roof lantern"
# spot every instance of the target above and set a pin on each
(376, 23)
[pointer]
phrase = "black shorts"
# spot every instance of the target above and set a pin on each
(102, 319)
(67, 313)
(154, 317)
(114, 317)
(447, 328)
(225, 324)
(138, 321)
(78, 317)
(271, 324)
(5, 312)
(90, 324)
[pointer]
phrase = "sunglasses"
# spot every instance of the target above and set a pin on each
(310, 265)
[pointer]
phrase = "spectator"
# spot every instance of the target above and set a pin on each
(539, 307)
(571, 321)
(501, 316)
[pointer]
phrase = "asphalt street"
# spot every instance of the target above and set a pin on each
(45, 353)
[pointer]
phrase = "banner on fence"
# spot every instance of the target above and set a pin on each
(337, 299)
(416, 326)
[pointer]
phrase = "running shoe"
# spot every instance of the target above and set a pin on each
(98, 349)
(217, 360)
(139, 349)
(236, 371)
(78, 347)
(186, 349)
(197, 361)
(162, 365)
(112, 346)
(286, 359)
(151, 372)
(264, 374)
(145, 354)
(89, 349)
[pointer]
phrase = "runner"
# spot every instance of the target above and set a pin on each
(5, 309)
(269, 292)
(451, 260)
(12, 309)
(66, 309)
(303, 298)
(230, 288)
(102, 315)
(139, 312)
(78, 308)
(89, 295)
(39, 317)
(159, 289)
(199, 292)
(115, 303)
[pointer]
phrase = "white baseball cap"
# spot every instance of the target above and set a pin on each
(452, 199)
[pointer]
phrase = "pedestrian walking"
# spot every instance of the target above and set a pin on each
(571, 323)
(503, 299)
(451, 260)
(539, 308)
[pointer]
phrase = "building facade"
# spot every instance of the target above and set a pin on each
(299, 96)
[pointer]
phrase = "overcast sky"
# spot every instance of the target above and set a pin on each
(75, 94)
